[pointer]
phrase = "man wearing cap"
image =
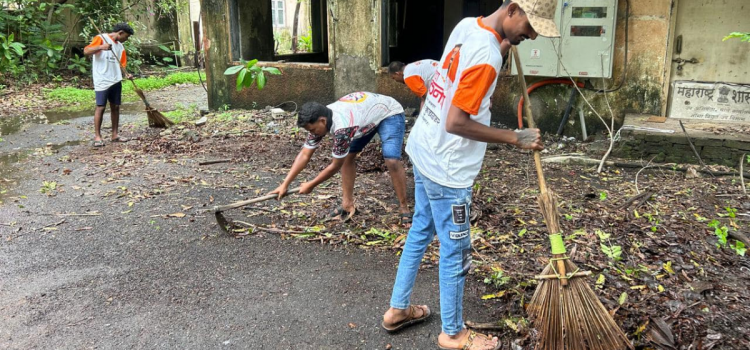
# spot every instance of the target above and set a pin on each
(447, 146)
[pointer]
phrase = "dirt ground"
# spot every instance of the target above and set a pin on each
(655, 262)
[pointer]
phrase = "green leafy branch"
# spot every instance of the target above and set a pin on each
(613, 252)
(722, 232)
(739, 35)
(250, 73)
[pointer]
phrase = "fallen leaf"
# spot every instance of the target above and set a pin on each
(512, 325)
(661, 334)
(352, 325)
(499, 294)
(177, 215)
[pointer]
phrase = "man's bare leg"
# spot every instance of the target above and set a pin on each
(114, 111)
(398, 179)
(348, 174)
(98, 117)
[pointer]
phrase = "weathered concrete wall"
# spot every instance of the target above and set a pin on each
(215, 44)
(356, 39)
(641, 91)
(185, 29)
(402, 94)
(354, 27)
(299, 83)
(674, 148)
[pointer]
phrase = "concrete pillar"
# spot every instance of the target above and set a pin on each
(185, 31)
(214, 16)
(356, 28)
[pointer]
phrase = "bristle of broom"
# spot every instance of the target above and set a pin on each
(570, 317)
(157, 120)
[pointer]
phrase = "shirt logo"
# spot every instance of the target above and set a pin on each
(437, 92)
(355, 97)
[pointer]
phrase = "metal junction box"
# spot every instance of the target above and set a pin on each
(586, 46)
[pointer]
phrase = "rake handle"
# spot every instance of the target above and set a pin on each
(221, 208)
(537, 155)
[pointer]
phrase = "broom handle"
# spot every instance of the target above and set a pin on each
(537, 155)
(251, 201)
(529, 120)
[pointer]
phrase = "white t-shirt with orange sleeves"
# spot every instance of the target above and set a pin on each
(466, 78)
(355, 115)
(418, 76)
(104, 67)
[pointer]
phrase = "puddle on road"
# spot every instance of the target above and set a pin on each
(10, 173)
(12, 125)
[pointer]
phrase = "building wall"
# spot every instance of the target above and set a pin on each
(354, 42)
(299, 82)
(355, 38)
(643, 91)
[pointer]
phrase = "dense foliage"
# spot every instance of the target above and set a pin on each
(36, 36)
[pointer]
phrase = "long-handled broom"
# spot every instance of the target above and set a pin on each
(155, 118)
(564, 309)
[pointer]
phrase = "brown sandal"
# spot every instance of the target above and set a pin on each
(469, 341)
(409, 320)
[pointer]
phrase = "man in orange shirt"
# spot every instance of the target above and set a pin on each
(447, 146)
(104, 50)
(417, 76)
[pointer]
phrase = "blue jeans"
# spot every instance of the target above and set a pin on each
(391, 131)
(445, 211)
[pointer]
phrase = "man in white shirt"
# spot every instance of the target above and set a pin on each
(447, 146)
(416, 76)
(352, 121)
(105, 49)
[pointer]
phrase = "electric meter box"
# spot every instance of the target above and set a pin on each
(585, 48)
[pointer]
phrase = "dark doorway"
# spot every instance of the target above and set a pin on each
(413, 30)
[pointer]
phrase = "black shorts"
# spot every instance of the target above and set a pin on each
(113, 94)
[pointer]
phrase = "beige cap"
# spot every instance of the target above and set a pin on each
(541, 15)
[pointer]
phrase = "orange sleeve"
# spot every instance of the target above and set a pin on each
(416, 84)
(474, 84)
(96, 42)
(124, 59)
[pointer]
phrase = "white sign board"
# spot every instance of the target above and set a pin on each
(710, 101)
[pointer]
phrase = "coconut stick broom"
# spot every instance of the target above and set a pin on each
(155, 118)
(564, 309)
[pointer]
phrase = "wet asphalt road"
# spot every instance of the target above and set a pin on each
(118, 281)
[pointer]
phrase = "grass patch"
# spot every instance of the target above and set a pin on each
(71, 96)
(183, 113)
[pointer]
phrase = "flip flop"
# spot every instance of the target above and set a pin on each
(405, 218)
(120, 139)
(339, 214)
(409, 320)
(469, 341)
(98, 144)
